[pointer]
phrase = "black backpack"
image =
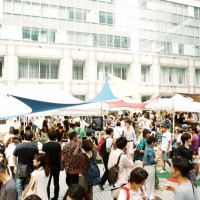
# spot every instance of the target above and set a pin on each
(114, 171)
(92, 176)
(103, 151)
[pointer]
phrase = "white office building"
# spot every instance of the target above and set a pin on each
(69, 44)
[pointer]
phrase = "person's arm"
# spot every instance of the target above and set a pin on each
(28, 187)
(151, 157)
(168, 146)
(15, 163)
(108, 145)
(127, 163)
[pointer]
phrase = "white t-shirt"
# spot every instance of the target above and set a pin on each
(124, 165)
(9, 153)
(41, 183)
(109, 141)
(133, 195)
(166, 137)
(117, 132)
(179, 139)
(130, 134)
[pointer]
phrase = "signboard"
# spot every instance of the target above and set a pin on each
(97, 123)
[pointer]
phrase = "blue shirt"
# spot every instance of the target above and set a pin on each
(143, 144)
(149, 156)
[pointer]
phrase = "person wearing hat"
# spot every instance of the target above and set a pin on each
(166, 144)
(184, 129)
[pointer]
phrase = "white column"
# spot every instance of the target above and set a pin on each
(66, 65)
(91, 74)
(11, 70)
(190, 76)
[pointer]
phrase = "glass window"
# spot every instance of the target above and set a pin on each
(7, 6)
(44, 69)
(43, 35)
(145, 98)
(17, 7)
(109, 41)
(117, 42)
(62, 13)
(171, 75)
(38, 69)
(80, 97)
(52, 36)
(23, 68)
(95, 39)
(110, 18)
(124, 42)
(102, 40)
(145, 73)
(102, 17)
(26, 8)
(33, 69)
(54, 66)
(53, 12)
(36, 9)
(116, 69)
(1, 67)
(70, 13)
(45, 10)
(197, 76)
(26, 33)
(34, 34)
(78, 67)
(78, 14)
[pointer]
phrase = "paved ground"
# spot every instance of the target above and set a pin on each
(106, 195)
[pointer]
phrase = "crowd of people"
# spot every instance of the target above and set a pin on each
(130, 147)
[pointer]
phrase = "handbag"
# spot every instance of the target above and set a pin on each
(114, 171)
(22, 171)
(137, 155)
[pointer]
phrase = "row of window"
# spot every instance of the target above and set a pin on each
(99, 40)
(55, 12)
(77, 38)
(35, 34)
(49, 69)
(77, 14)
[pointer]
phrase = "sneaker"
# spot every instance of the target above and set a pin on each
(101, 187)
(162, 172)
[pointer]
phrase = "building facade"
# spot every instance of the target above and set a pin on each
(69, 44)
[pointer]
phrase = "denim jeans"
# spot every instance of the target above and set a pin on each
(21, 185)
(55, 174)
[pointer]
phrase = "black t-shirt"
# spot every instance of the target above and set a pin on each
(53, 151)
(25, 152)
(182, 151)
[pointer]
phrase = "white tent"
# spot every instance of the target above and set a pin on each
(177, 103)
(122, 88)
(11, 107)
(91, 109)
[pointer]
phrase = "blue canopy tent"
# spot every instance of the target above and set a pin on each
(39, 106)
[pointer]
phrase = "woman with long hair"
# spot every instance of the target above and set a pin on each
(39, 178)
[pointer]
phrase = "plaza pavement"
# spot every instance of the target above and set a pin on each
(106, 195)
